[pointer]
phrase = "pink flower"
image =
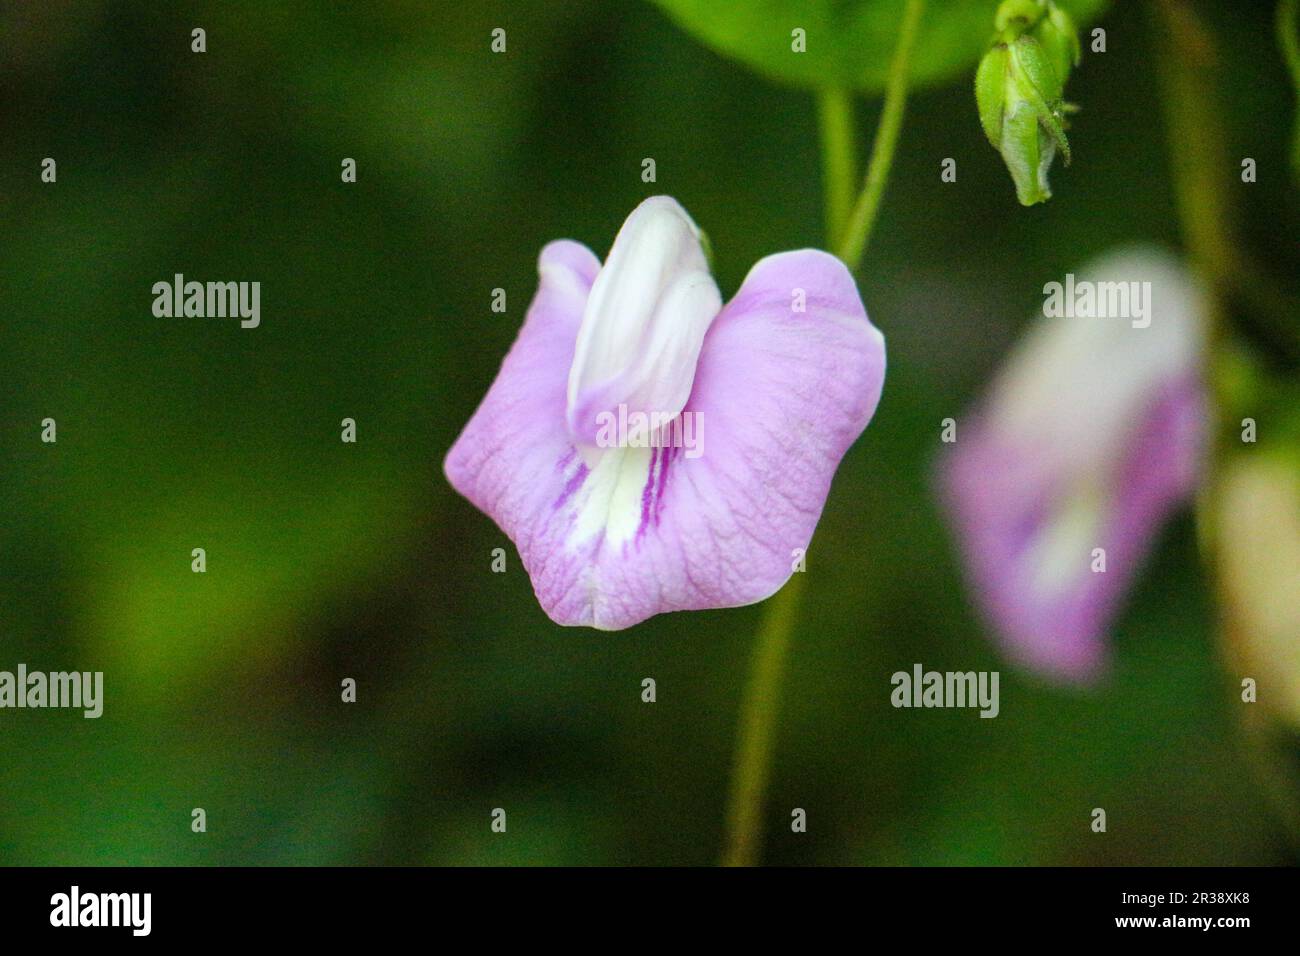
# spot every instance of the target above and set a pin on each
(649, 449)
(1091, 435)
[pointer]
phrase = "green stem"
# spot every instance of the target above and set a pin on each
(1197, 153)
(1198, 160)
(835, 115)
(863, 217)
(756, 737)
(1288, 38)
(757, 721)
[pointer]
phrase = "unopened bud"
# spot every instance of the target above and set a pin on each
(1019, 87)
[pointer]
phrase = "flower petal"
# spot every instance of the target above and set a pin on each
(1257, 524)
(779, 395)
(1091, 435)
(645, 320)
(504, 456)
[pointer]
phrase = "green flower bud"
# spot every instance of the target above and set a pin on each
(1018, 90)
(1017, 15)
(1060, 40)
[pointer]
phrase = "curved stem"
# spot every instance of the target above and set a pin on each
(835, 118)
(756, 738)
(1197, 155)
(1197, 150)
(757, 720)
(1197, 159)
(863, 217)
(1288, 38)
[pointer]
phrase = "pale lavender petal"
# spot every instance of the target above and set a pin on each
(1092, 435)
(1003, 506)
(779, 395)
(510, 459)
(645, 321)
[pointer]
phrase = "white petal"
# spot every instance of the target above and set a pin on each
(1074, 383)
(644, 322)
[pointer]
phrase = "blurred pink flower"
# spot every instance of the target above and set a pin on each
(785, 377)
(1091, 434)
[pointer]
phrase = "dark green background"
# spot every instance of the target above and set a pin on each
(328, 560)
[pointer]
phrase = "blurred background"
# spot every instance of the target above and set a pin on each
(328, 560)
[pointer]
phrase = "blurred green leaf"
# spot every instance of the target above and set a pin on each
(848, 42)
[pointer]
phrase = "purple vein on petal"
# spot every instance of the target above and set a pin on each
(669, 455)
(647, 491)
(652, 494)
(573, 483)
